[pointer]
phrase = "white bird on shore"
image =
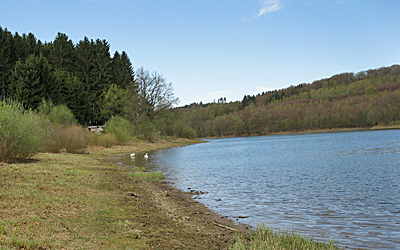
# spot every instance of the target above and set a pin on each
(146, 156)
(132, 155)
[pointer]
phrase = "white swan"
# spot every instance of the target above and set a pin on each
(132, 155)
(146, 156)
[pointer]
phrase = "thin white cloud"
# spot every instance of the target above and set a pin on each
(269, 6)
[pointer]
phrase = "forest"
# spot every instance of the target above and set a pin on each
(84, 76)
(98, 87)
(346, 100)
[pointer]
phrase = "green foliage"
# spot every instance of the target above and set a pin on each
(45, 107)
(179, 125)
(62, 53)
(61, 114)
(371, 90)
(113, 101)
(184, 131)
(189, 133)
(147, 129)
(75, 76)
(33, 80)
(19, 132)
(121, 128)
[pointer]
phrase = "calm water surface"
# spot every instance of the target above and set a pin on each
(343, 186)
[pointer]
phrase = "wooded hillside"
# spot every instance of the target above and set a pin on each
(345, 100)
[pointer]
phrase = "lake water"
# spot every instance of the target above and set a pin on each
(339, 186)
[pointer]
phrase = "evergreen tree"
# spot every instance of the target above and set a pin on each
(122, 70)
(113, 102)
(62, 53)
(72, 94)
(31, 44)
(33, 80)
(6, 61)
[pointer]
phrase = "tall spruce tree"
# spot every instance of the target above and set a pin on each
(72, 94)
(122, 70)
(62, 53)
(33, 80)
(7, 61)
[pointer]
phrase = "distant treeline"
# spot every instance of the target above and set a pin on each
(83, 76)
(345, 100)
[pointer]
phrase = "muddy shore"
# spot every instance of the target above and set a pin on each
(168, 217)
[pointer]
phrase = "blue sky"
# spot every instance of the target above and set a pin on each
(212, 49)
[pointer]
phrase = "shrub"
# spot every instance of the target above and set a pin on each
(58, 138)
(184, 131)
(147, 129)
(149, 132)
(179, 125)
(107, 140)
(189, 132)
(61, 114)
(69, 138)
(121, 128)
(45, 107)
(92, 138)
(19, 132)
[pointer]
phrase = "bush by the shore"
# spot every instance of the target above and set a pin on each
(19, 137)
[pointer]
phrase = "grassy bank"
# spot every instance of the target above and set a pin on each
(59, 200)
(84, 201)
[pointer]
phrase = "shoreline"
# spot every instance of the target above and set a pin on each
(195, 225)
(89, 201)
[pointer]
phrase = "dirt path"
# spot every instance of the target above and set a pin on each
(168, 218)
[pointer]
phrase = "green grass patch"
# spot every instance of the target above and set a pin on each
(148, 176)
(266, 238)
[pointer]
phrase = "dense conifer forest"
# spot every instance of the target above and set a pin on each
(83, 76)
(96, 86)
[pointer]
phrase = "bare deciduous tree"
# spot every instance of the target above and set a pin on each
(153, 92)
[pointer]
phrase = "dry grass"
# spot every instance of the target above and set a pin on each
(60, 201)
(67, 201)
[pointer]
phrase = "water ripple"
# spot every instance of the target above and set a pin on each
(343, 186)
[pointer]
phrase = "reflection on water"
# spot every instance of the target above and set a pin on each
(343, 186)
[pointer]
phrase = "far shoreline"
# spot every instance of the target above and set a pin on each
(309, 131)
